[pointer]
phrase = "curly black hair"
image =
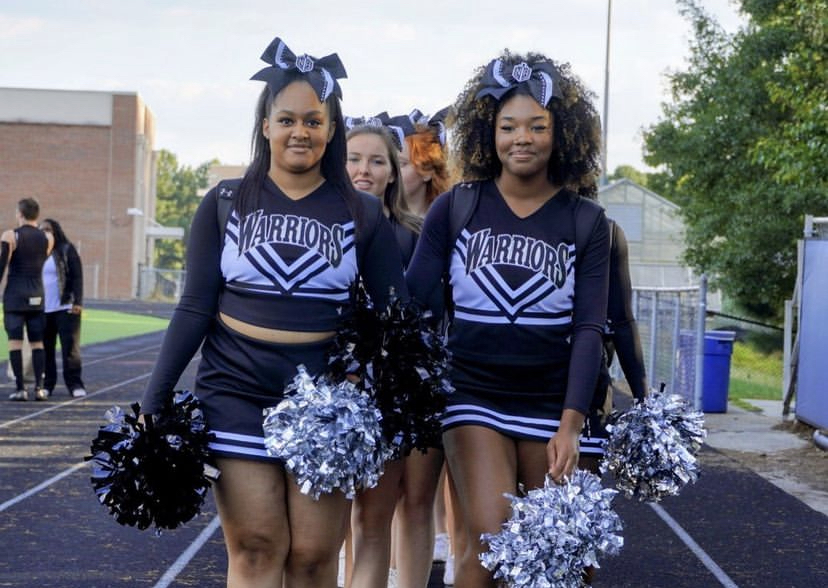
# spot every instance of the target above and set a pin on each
(576, 159)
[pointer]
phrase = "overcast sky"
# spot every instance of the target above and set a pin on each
(191, 60)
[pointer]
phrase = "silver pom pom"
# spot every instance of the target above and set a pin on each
(652, 447)
(328, 436)
(554, 533)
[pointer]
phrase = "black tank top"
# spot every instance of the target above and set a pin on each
(24, 289)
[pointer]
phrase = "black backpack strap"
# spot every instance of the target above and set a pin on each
(463, 200)
(366, 227)
(587, 214)
(226, 192)
(462, 204)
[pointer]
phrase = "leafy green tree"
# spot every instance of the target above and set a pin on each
(177, 197)
(720, 150)
(798, 153)
(629, 172)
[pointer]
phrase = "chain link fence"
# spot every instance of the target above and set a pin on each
(674, 323)
(160, 284)
(670, 328)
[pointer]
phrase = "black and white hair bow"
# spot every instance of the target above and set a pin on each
(398, 126)
(285, 67)
(541, 78)
(364, 121)
(437, 122)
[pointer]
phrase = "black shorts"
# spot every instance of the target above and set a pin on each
(33, 320)
(239, 377)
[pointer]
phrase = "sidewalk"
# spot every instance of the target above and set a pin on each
(762, 442)
(743, 430)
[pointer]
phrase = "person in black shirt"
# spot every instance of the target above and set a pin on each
(529, 277)
(63, 288)
(24, 250)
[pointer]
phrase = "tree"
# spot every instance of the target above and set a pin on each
(719, 147)
(177, 197)
(799, 152)
(627, 171)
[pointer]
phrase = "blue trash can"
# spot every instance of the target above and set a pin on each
(718, 348)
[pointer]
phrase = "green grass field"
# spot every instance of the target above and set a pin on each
(98, 326)
(755, 373)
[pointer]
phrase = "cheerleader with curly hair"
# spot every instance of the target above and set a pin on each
(528, 276)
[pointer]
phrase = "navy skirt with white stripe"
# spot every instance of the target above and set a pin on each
(238, 378)
(522, 402)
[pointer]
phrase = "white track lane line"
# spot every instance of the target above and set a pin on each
(117, 355)
(42, 486)
(188, 554)
(68, 401)
(63, 403)
(700, 553)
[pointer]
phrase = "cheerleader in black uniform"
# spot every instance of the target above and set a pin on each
(266, 291)
(373, 165)
(529, 291)
(425, 175)
(424, 161)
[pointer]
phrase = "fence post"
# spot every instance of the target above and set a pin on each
(654, 341)
(787, 347)
(676, 342)
(698, 382)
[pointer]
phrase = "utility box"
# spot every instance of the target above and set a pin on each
(811, 396)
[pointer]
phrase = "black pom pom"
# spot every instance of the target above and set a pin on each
(399, 357)
(153, 472)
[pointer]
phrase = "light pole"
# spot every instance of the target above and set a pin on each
(605, 121)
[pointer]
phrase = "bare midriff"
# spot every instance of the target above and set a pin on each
(274, 335)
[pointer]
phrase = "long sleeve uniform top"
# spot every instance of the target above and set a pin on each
(521, 293)
(289, 265)
(621, 325)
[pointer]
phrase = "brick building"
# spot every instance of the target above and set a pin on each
(87, 157)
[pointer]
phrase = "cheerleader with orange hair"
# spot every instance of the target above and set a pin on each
(423, 163)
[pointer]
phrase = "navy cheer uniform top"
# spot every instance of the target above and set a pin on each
(524, 346)
(288, 265)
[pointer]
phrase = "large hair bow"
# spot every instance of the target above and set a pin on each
(437, 122)
(399, 126)
(285, 67)
(541, 78)
(364, 121)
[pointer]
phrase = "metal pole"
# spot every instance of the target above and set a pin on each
(698, 387)
(654, 348)
(606, 101)
(676, 342)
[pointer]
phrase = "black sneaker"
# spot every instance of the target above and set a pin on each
(20, 395)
